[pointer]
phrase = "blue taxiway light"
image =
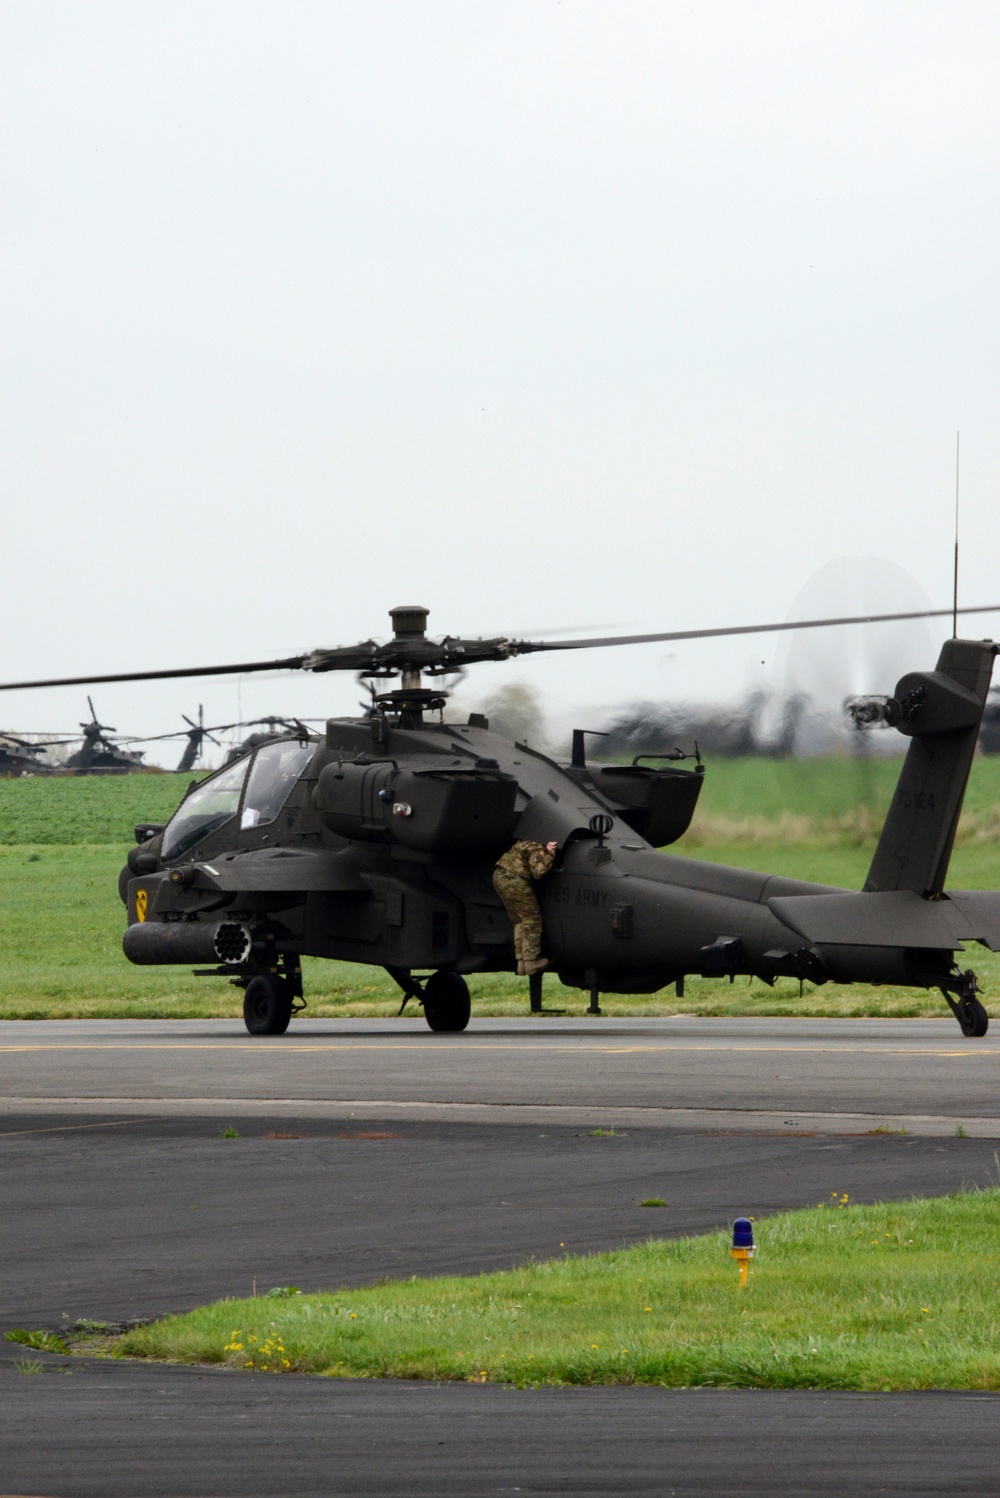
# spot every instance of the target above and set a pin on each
(743, 1233)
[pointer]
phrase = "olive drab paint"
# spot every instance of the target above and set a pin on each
(376, 842)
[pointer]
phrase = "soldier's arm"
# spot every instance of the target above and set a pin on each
(540, 860)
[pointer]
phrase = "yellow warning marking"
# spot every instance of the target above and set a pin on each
(141, 902)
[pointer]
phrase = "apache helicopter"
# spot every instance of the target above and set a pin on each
(22, 756)
(99, 755)
(195, 734)
(375, 843)
(274, 728)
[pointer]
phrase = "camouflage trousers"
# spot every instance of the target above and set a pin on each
(521, 905)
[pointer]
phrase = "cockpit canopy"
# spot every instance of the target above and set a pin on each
(256, 787)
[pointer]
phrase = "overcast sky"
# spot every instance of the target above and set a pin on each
(537, 312)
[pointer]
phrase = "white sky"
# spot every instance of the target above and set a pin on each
(535, 313)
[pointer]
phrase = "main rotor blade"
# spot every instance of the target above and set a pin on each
(525, 647)
(290, 663)
(152, 738)
(450, 653)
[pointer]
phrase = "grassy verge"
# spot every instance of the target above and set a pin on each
(877, 1297)
(60, 952)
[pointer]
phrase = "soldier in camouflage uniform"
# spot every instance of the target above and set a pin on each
(512, 881)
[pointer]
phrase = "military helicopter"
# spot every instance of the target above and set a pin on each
(273, 728)
(100, 755)
(195, 735)
(375, 842)
(22, 756)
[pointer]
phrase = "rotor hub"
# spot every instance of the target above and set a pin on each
(411, 701)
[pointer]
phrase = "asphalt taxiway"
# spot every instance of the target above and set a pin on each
(922, 1075)
(366, 1149)
(147, 1432)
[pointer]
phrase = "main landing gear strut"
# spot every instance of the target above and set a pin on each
(270, 999)
(965, 1006)
(444, 995)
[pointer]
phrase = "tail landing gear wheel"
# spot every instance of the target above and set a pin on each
(267, 1005)
(972, 1018)
(447, 1005)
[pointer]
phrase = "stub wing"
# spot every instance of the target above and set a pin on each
(894, 918)
(284, 870)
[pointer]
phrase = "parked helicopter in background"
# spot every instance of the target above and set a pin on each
(97, 754)
(101, 755)
(194, 736)
(273, 728)
(375, 842)
(19, 756)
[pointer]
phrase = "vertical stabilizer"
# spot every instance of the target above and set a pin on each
(940, 711)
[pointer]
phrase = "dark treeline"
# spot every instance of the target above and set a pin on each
(760, 724)
(755, 726)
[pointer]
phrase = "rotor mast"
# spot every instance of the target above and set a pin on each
(409, 627)
(409, 653)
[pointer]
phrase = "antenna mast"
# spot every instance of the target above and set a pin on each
(954, 596)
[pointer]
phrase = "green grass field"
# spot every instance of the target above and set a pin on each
(821, 792)
(63, 841)
(897, 1296)
(71, 810)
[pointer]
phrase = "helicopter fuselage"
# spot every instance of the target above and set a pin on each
(384, 848)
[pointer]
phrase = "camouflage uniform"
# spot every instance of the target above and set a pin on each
(512, 881)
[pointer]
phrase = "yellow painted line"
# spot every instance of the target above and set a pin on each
(115, 1123)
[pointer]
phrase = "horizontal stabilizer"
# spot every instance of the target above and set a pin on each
(894, 918)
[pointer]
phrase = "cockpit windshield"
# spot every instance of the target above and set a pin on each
(205, 810)
(276, 768)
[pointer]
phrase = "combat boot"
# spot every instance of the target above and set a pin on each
(535, 965)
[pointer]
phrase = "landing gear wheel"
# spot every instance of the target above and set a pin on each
(447, 1005)
(267, 1005)
(972, 1018)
